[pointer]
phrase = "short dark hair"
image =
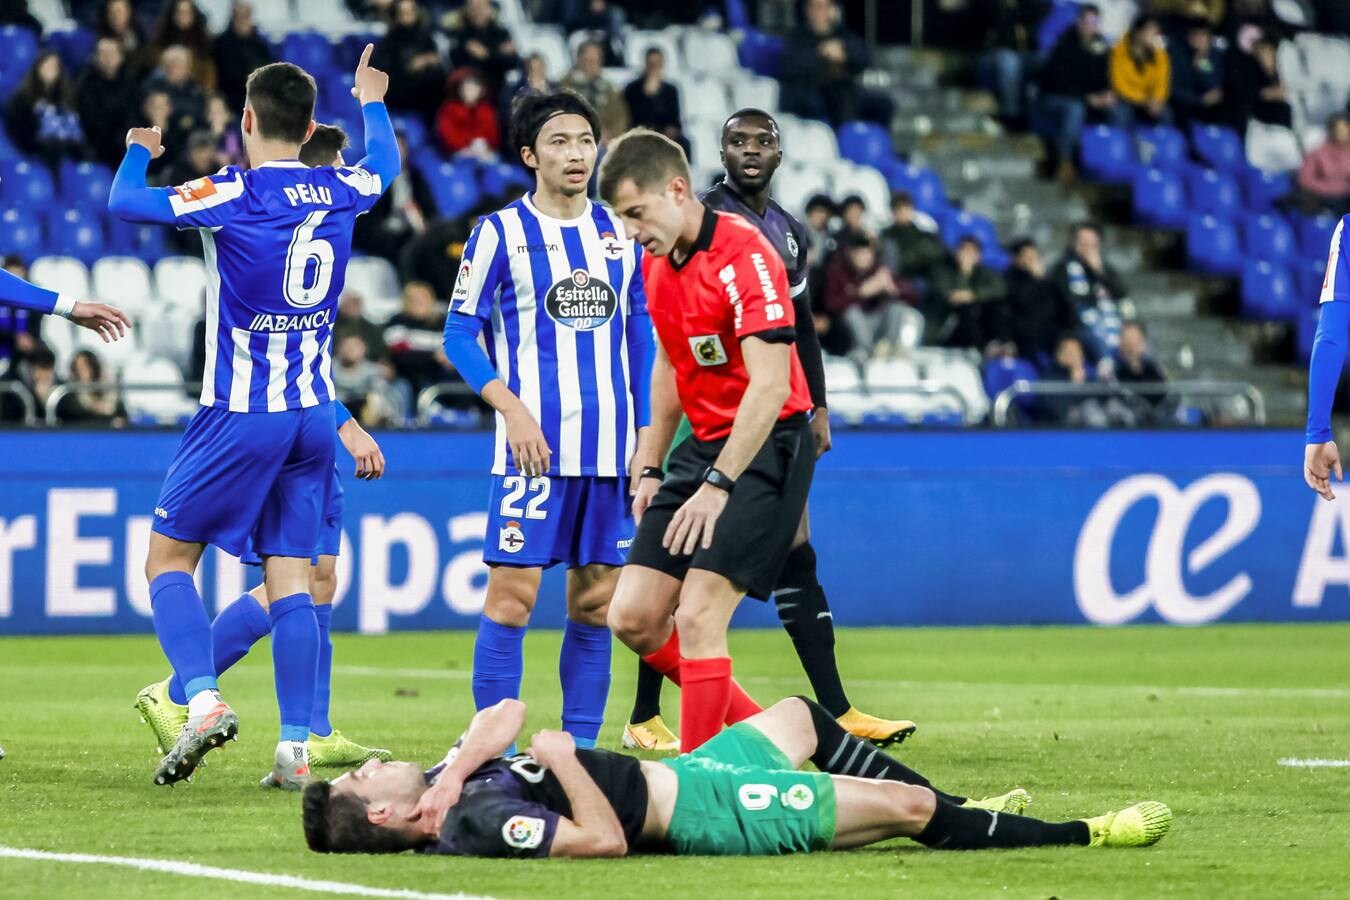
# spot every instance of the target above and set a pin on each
(969, 239)
(323, 145)
(752, 112)
(852, 200)
(337, 823)
(282, 96)
(1022, 243)
(821, 201)
(1085, 8)
(1135, 323)
(644, 157)
(901, 198)
(531, 110)
(654, 48)
(1084, 225)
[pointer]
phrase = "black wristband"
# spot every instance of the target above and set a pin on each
(653, 472)
(718, 479)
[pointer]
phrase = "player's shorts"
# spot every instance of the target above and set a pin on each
(682, 431)
(543, 521)
(330, 529)
(753, 536)
(259, 476)
(738, 795)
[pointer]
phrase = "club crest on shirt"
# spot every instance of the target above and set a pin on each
(581, 301)
(612, 246)
(523, 832)
(461, 291)
(792, 244)
(511, 539)
(708, 350)
(798, 797)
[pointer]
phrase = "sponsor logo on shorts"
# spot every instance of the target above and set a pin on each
(581, 301)
(511, 539)
(799, 797)
(523, 832)
(708, 350)
(161, 512)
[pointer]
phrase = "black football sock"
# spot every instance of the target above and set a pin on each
(840, 753)
(647, 701)
(806, 616)
(955, 828)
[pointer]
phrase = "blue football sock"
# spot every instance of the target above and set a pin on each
(323, 683)
(498, 664)
(583, 669)
(183, 630)
(233, 633)
(295, 662)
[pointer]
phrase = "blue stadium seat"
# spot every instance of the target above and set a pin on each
(1268, 236)
(1212, 245)
(1305, 328)
(924, 185)
(956, 224)
(1107, 154)
(145, 242)
(20, 234)
(1059, 20)
(1220, 147)
(1314, 235)
(1268, 292)
(335, 96)
(9, 154)
(1308, 277)
(761, 53)
(413, 130)
(1162, 147)
(1212, 192)
(85, 184)
(1160, 199)
(74, 46)
(454, 189)
(866, 143)
(309, 50)
(504, 179)
(1262, 189)
(20, 49)
(27, 184)
(74, 233)
(347, 53)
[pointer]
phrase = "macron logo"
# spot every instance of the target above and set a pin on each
(161, 512)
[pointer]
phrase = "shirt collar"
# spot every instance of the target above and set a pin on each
(283, 164)
(703, 241)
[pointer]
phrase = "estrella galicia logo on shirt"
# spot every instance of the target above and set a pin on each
(708, 350)
(511, 539)
(581, 301)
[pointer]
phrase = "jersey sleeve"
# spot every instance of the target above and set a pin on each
(756, 284)
(801, 268)
(482, 271)
(1336, 285)
(490, 823)
(641, 342)
(208, 202)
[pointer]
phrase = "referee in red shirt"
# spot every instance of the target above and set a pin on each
(720, 523)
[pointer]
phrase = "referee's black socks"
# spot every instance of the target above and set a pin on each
(840, 753)
(805, 614)
(955, 828)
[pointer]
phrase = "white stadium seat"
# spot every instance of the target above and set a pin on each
(548, 43)
(711, 51)
(891, 373)
(180, 281)
(637, 43)
(795, 184)
(964, 376)
(376, 281)
(171, 336)
(124, 281)
(164, 403)
(1272, 148)
(867, 183)
(59, 336)
(705, 148)
(63, 274)
(704, 100)
(806, 140)
(911, 327)
(118, 356)
(756, 91)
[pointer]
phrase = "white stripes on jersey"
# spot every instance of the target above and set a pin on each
(205, 193)
(1333, 263)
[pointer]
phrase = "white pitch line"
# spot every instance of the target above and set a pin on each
(1315, 763)
(193, 870)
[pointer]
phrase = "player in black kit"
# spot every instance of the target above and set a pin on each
(751, 153)
(740, 794)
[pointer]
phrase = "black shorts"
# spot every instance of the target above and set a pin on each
(753, 535)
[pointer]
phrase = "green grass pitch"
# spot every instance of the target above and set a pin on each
(1085, 719)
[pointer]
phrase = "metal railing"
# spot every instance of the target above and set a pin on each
(928, 390)
(26, 399)
(427, 398)
(60, 392)
(1255, 401)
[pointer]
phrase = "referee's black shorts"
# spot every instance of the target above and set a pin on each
(754, 534)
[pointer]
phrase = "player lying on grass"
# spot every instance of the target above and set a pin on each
(740, 794)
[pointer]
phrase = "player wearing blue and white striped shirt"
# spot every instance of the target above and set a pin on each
(1321, 458)
(558, 288)
(256, 461)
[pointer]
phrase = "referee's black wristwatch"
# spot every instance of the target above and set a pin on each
(718, 479)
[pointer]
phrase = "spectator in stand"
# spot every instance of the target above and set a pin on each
(108, 98)
(174, 77)
(601, 22)
(351, 320)
(157, 112)
(399, 218)
(866, 295)
(182, 24)
(20, 329)
(587, 78)
(409, 54)
(1071, 368)
(1010, 53)
(1197, 77)
(1141, 71)
(466, 123)
(1208, 11)
(1038, 313)
(413, 337)
(90, 407)
(820, 210)
(223, 123)
(117, 20)
(237, 52)
(42, 116)
(654, 102)
(479, 41)
(1132, 365)
(1094, 288)
(200, 158)
(360, 383)
(39, 376)
(1325, 176)
(910, 251)
(1252, 83)
(821, 64)
(966, 302)
(1076, 86)
(852, 209)
(533, 76)
(15, 12)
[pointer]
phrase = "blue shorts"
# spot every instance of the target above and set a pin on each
(330, 529)
(259, 476)
(578, 520)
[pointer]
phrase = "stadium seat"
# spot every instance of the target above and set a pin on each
(964, 377)
(1059, 20)
(154, 390)
(867, 183)
(1162, 147)
(119, 356)
(375, 280)
(20, 234)
(180, 281)
(1212, 192)
(27, 184)
(1160, 199)
(63, 274)
(454, 188)
(761, 53)
(504, 179)
(912, 325)
(706, 100)
(85, 184)
(1262, 190)
(1107, 154)
(58, 334)
(1267, 236)
(637, 43)
(711, 51)
(309, 50)
(21, 48)
(172, 335)
(1272, 148)
(956, 224)
(123, 281)
(1268, 292)
(72, 232)
(865, 143)
(548, 43)
(924, 185)
(1212, 245)
(1305, 332)
(1314, 235)
(1002, 373)
(705, 149)
(797, 183)
(881, 374)
(74, 45)
(1308, 277)
(1220, 147)
(756, 91)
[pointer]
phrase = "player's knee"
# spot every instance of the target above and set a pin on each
(698, 623)
(323, 587)
(914, 806)
(630, 626)
(509, 608)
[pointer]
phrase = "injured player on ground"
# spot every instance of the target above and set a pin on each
(739, 794)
